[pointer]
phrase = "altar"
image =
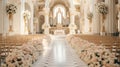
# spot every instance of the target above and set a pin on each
(59, 31)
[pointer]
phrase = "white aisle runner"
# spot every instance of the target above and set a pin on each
(60, 55)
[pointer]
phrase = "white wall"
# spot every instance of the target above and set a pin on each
(18, 22)
(1, 16)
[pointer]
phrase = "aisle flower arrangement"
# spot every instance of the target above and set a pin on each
(94, 56)
(25, 55)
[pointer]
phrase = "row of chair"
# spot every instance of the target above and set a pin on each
(9, 43)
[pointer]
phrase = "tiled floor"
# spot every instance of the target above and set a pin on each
(59, 54)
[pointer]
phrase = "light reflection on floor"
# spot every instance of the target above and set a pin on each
(59, 51)
(59, 54)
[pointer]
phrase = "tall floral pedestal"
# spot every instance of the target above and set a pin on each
(10, 30)
(10, 10)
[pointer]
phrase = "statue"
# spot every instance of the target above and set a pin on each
(26, 16)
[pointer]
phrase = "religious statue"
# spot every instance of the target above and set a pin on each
(26, 16)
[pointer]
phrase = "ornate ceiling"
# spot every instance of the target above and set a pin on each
(66, 3)
(40, 4)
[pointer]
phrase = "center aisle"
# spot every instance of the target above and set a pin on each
(59, 54)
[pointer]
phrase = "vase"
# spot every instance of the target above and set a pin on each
(10, 22)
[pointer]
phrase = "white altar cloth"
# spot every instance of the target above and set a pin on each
(59, 32)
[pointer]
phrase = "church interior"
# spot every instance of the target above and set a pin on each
(59, 33)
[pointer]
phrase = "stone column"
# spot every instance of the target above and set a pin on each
(96, 18)
(110, 22)
(119, 17)
(72, 25)
(46, 25)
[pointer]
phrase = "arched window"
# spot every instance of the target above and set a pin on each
(59, 18)
(59, 12)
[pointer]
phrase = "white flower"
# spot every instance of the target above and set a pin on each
(102, 8)
(93, 55)
(11, 9)
(26, 54)
(89, 15)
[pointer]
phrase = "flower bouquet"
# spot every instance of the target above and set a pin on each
(11, 10)
(89, 15)
(102, 8)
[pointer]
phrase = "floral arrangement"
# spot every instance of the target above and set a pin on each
(25, 55)
(102, 8)
(89, 15)
(94, 56)
(26, 14)
(11, 9)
